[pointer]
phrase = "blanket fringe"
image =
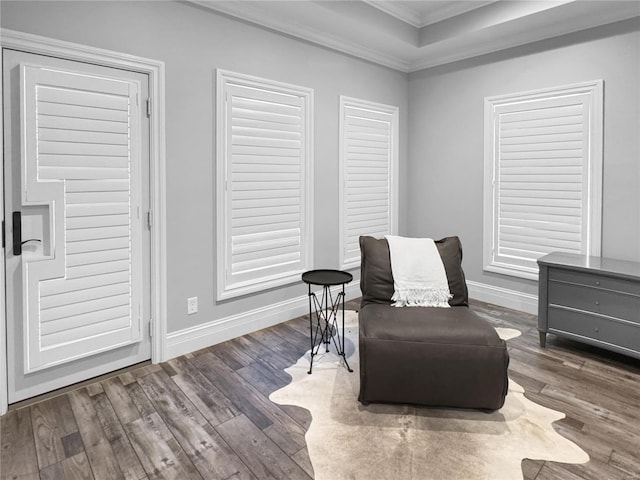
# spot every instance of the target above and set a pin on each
(422, 297)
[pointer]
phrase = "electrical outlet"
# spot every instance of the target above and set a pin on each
(192, 305)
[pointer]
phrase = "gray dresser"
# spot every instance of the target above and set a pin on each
(590, 299)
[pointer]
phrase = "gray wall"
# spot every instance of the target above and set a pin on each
(445, 170)
(193, 42)
(441, 166)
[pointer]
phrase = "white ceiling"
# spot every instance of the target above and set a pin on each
(413, 35)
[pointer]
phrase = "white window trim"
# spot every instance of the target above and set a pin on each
(156, 71)
(394, 111)
(595, 162)
(230, 291)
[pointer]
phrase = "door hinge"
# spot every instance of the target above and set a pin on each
(148, 107)
(150, 327)
(150, 219)
(3, 241)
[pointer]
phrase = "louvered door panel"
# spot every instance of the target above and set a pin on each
(266, 187)
(81, 158)
(542, 154)
(367, 163)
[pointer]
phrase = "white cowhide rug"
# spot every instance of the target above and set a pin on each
(347, 440)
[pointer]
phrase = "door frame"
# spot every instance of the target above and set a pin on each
(156, 71)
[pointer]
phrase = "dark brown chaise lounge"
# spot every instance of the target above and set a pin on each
(444, 357)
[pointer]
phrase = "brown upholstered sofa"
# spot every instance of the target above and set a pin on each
(447, 357)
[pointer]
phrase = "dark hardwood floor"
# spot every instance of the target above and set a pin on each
(207, 414)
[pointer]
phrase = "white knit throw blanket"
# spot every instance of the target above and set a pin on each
(419, 278)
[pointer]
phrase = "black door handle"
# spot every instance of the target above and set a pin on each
(17, 233)
(31, 240)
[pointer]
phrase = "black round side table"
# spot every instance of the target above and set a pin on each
(326, 309)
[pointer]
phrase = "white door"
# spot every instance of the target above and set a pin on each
(76, 173)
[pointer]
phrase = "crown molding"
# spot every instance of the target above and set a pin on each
(452, 9)
(421, 20)
(407, 15)
(480, 29)
(523, 36)
(251, 12)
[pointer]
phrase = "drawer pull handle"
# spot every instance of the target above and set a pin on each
(597, 283)
(596, 329)
(597, 302)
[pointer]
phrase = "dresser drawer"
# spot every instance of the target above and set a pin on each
(594, 327)
(596, 281)
(596, 300)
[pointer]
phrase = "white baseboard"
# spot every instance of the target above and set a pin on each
(217, 331)
(221, 330)
(504, 297)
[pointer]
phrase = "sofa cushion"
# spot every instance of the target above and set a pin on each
(444, 357)
(376, 278)
(456, 325)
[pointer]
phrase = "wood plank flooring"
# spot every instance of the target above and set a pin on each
(206, 415)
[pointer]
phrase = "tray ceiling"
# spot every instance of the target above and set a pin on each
(413, 35)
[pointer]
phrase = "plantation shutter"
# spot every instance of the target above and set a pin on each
(265, 215)
(368, 153)
(545, 180)
(81, 158)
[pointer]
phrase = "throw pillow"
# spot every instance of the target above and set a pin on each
(376, 278)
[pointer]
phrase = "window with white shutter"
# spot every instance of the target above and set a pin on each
(368, 174)
(264, 183)
(543, 176)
